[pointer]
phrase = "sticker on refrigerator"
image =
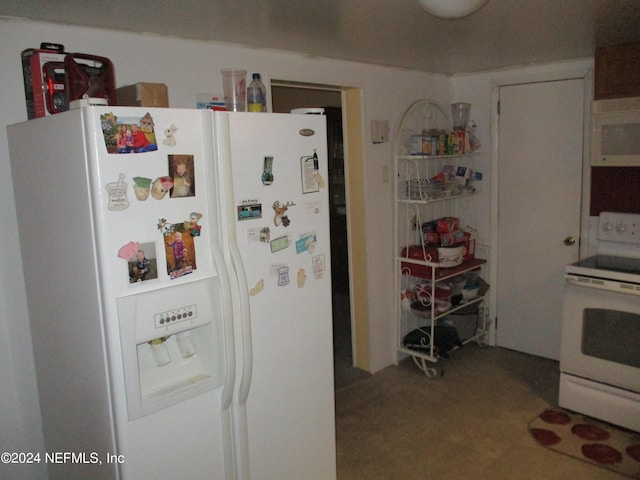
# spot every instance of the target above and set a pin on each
(182, 174)
(128, 134)
(179, 248)
(117, 194)
(141, 261)
(281, 217)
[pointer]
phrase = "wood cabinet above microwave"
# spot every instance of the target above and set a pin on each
(617, 71)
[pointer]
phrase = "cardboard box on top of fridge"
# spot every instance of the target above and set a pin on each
(143, 94)
(36, 85)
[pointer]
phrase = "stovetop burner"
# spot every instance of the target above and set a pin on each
(610, 262)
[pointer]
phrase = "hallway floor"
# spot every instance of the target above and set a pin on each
(469, 424)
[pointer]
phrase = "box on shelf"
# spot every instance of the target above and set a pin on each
(143, 94)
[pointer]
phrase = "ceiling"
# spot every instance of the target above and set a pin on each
(396, 33)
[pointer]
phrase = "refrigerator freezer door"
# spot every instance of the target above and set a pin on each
(279, 219)
(90, 207)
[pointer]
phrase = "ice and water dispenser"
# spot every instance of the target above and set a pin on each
(172, 344)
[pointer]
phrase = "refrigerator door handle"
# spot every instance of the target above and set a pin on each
(244, 324)
(227, 326)
(226, 396)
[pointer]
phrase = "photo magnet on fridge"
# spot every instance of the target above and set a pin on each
(128, 134)
(179, 248)
(183, 175)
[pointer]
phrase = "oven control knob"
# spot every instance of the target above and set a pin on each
(621, 228)
(607, 226)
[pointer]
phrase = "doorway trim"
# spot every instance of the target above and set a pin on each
(352, 127)
(586, 75)
(354, 175)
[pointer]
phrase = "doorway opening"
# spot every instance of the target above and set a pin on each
(347, 335)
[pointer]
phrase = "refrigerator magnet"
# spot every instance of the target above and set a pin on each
(249, 211)
(267, 173)
(312, 180)
(257, 288)
(141, 261)
(141, 188)
(312, 207)
(309, 182)
(128, 134)
(318, 266)
(160, 187)
(280, 217)
(306, 243)
(142, 266)
(283, 276)
(183, 175)
(260, 235)
(301, 277)
(191, 225)
(279, 243)
(118, 194)
(169, 136)
(128, 250)
(180, 253)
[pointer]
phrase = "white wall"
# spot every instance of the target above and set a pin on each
(188, 68)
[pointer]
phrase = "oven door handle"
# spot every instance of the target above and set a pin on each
(601, 284)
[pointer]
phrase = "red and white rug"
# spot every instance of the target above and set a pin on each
(587, 439)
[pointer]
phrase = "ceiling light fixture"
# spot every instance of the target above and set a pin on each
(452, 9)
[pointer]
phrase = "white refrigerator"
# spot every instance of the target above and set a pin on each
(177, 264)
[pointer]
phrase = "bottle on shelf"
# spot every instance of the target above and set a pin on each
(256, 95)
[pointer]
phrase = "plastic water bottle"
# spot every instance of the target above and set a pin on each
(256, 95)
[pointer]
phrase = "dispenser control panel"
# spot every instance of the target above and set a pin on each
(175, 315)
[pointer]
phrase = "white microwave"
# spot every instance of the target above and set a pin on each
(615, 132)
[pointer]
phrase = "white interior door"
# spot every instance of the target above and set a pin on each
(540, 151)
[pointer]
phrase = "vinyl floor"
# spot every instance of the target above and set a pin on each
(469, 424)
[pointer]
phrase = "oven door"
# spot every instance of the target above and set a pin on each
(601, 336)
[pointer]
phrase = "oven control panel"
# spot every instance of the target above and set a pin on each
(619, 227)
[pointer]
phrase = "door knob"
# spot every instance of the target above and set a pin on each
(569, 241)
